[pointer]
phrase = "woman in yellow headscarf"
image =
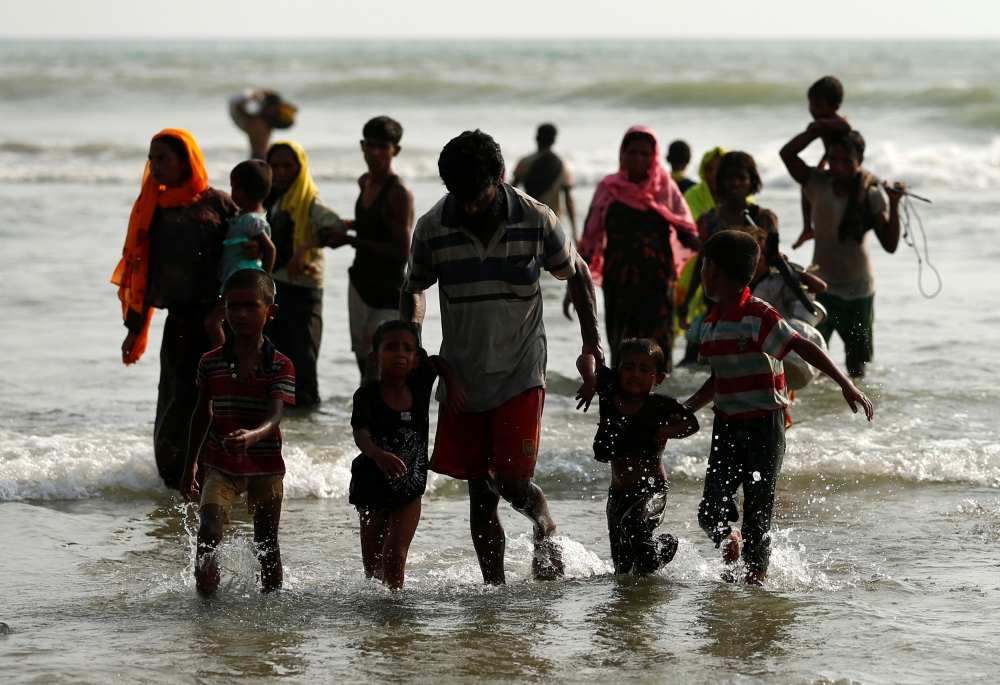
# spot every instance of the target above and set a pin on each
(300, 226)
(171, 261)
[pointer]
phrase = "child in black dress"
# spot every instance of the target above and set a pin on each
(634, 428)
(390, 423)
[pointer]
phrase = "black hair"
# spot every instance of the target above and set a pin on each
(384, 130)
(735, 252)
(679, 154)
(829, 90)
(852, 142)
(280, 146)
(396, 325)
(733, 162)
(178, 147)
(646, 347)
(251, 279)
(546, 135)
(638, 135)
(470, 164)
(254, 177)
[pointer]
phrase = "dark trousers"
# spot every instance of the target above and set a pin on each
(296, 332)
(633, 516)
(747, 453)
(853, 320)
(185, 340)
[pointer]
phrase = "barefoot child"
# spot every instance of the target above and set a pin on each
(391, 423)
(242, 388)
(744, 339)
(825, 98)
(635, 426)
(251, 181)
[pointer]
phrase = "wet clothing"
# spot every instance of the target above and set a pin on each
(241, 402)
(242, 228)
(620, 434)
(853, 320)
(223, 489)
(633, 516)
(297, 331)
(546, 178)
(639, 278)
(745, 346)
(491, 303)
(403, 433)
(502, 440)
(377, 280)
(747, 453)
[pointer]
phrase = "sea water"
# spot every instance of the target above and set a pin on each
(885, 566)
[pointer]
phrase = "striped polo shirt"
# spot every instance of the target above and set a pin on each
(242, 403)
(491, 304)
(745, 347)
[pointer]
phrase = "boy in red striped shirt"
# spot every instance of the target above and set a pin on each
(242, 388)
(745, 339)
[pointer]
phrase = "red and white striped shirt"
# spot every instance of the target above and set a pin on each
(745, 347)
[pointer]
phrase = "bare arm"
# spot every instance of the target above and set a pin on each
(267, 251)
(571, 211)
(812, 282)
(887, 227)
(412, 307)
(240, 439)
(201, 419)
(813, 354)
(704, 395)
(584, 297)
(456, 396)
(397, 250)
(676, 429)
(586, 364)
(798, 169)
(390, 465)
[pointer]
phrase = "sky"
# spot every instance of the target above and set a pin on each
(498, 19)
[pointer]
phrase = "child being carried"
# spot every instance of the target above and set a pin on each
(635, 425)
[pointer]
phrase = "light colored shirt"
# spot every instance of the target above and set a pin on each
(242, 228)
(491, 303)
(845, 266)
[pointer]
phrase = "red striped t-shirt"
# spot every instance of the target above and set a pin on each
(242, 403)
(745, 347)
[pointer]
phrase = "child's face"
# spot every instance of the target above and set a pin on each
(637, 374)
(638, 158)
(285, 168)
(736, 186)
(378, 154)
(246, 312)
(821, 109)
(239, 196)
(398, 354)
(844, 165)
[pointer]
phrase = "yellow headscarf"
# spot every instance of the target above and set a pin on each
(298, 199)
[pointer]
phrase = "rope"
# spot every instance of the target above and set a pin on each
(909, 239)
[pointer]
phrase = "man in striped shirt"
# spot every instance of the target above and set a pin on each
(745, 339)
(485, 245)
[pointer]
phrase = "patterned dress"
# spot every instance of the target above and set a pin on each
(639, 278)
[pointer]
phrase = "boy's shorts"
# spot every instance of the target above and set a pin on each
(502, 441)
(222, 489)
(364, 321)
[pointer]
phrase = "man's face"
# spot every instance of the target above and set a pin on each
(246, 311)
(844, 165)
(378, 153)
(482, 214)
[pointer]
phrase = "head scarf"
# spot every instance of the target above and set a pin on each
(658, 192)
(132, 272)
(699, 197)
(298, 199)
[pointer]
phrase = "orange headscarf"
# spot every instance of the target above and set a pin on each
(133, 269)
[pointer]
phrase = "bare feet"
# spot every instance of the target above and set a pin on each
(732, 546)
(547, 563)
(755, 576)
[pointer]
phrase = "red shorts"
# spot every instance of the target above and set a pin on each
(502, 441)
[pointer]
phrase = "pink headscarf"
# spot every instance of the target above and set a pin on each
(658, 192)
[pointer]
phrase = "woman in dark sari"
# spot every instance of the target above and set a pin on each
(638, 235)
(171, 261)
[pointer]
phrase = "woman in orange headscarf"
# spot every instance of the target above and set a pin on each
(171, 261)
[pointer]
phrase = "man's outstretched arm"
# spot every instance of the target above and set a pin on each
(584, 297)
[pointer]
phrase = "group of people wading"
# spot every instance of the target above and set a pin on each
(666, 260)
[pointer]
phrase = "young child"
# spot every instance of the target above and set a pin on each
(391, 422)
(635, 425)
(744, 340)
(242, 388)
(825, 98)
(251, 182)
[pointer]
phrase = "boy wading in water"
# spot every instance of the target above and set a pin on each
(744, 339)
(485, 245)
(634, 428)
(242, 388)
(390, 423)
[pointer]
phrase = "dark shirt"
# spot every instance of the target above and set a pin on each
(403, 433)
(620, 434)
(185, 250)
(377, 280)
(685, 183)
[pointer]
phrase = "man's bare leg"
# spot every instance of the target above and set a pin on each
(528, 499)
(487, 531)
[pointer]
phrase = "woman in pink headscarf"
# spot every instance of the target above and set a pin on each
(637, 238)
